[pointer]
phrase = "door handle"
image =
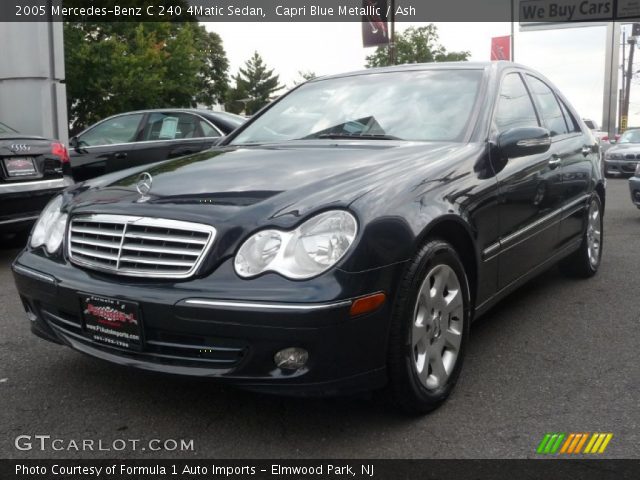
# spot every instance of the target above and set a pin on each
(121, 155)
(555, 162)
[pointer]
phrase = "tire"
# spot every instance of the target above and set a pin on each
(585, 261)
(420, 378)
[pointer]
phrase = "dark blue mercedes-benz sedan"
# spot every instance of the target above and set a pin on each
(343, 239)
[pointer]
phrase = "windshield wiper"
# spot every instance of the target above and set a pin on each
(368, 136)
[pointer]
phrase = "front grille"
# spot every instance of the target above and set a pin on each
(631, 156)
(138, 246)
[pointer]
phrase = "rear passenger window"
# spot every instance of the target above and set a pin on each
(515, 108)
(570, 119)
(549, 107)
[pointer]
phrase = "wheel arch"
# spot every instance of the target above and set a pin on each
(455, 231)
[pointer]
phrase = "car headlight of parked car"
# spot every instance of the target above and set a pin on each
(613, 156)
(312, 248)
(50, 227)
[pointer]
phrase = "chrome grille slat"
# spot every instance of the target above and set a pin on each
(169, 251)
(165, 238)
(95, 231)
(95, 253)
(96, 243)
(155, 261)
(138, 246)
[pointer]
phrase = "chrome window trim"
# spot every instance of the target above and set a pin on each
(127, 220)
(148, 141)
(265, 305)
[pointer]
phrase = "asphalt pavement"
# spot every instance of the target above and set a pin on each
(559, 355)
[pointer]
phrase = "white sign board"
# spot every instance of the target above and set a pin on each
(550, 14)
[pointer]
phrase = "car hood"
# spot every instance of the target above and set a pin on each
(625, 148)
(253, 184)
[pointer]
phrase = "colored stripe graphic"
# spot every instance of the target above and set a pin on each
(572, 443)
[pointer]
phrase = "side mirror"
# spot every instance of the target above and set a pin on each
(73, 142)
(523, 141)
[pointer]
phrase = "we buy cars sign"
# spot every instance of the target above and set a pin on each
(533, 12)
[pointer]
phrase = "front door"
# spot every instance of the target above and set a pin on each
(530, 190)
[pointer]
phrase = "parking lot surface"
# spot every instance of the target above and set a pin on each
(559, 355)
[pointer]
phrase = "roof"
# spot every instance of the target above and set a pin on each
(498, 65)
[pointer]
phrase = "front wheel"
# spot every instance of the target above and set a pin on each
(586, 260)
(429, 330)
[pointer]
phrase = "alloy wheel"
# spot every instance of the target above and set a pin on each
(437, 328)
(594, 234)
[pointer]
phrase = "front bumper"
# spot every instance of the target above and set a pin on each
(634, 189)
(192, 328)
(620, 167)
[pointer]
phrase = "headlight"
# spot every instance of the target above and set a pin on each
(613, 156)
(49, 229)
(312, 248)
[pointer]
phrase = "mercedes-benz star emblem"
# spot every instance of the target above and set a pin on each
(143, 185)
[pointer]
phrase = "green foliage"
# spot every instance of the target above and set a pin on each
(119, 67)
(255, 85)
(416, 45)
(305, 76)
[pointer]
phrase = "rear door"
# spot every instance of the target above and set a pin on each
(574, 150)
(529, 189)
(172, 134)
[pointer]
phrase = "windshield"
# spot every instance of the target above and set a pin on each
(630, 136)
(5, 129)
(431, 105)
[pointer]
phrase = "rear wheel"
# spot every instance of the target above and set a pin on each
(586, 260)
(430, 329)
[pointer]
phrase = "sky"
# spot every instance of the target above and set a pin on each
(572, 58)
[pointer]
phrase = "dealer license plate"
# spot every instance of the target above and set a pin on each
(20, 166)
(112, 322)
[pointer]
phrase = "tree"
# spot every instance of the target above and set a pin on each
(305, 76)
(255, 85)
(416, 45)
(118, 67)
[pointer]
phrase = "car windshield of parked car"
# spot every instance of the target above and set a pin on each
(630, 136)
(427, 105)
(6, 129)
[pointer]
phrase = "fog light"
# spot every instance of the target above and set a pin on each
(291, 358)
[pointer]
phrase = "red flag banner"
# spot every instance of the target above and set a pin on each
(501, 48)
(375, 25)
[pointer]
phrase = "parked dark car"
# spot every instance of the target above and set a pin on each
(343, 239)
(32, 170)
(138, 138)
(623, 157)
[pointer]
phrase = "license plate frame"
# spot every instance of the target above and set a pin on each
(17, 167)
(112, 322)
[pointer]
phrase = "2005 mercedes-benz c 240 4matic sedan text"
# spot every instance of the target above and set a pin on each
(343, 239)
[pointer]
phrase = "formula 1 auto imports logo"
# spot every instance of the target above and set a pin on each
(110, 314)
(573, 443)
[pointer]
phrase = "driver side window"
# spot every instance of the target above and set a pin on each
(515, 107)
(121, 129)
